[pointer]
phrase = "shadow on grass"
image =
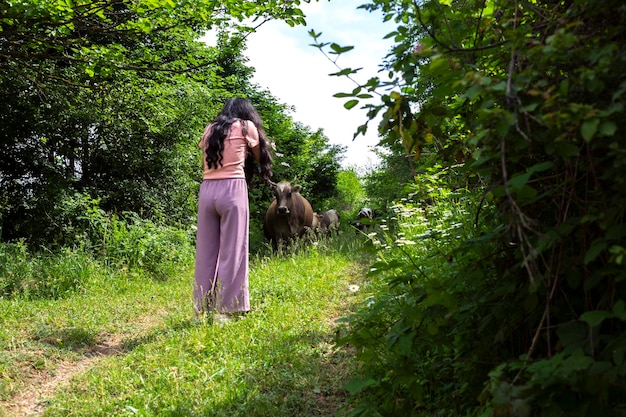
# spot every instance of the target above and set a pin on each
(291, 373)
(89, 343)
(308, 380)
(299, 375)
(69, 338)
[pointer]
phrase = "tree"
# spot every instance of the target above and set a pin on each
(108, 97)
(351, 194)
(307, 158)
(526, 99)
(103, 38)
(387, 183)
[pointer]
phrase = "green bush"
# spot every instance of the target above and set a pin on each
(45, 275)
(450, 329)
(421, 354)
(138, 243)
(99, 241)
(529, 99)
(122, 241)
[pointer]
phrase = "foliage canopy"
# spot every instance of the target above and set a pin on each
(524, 102)
(106, 100)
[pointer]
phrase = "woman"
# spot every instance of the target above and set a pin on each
(221, 268)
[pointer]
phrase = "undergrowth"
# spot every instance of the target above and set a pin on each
(95, 243)
(448, 329)
(413, 333)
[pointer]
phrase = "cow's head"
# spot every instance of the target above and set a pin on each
(284, 192)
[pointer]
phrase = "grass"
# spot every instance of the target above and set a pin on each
(126, 344)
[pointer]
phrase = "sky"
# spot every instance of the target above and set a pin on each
(297, 74)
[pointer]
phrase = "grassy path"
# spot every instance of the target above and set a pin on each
(128, 346)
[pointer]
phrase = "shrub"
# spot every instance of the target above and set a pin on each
(141, 244)
(100, 241)
(46, 275)
(421, 351)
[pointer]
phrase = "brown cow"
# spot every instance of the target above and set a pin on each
(289, 215)
(329, 222)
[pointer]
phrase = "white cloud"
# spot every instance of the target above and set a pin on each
(297, 73)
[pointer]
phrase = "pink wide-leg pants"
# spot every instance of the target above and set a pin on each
(221, 269)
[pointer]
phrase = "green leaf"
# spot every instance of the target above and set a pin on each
(594, 251)
(337, 49)
(578, 361)
(359, 384)
(350, 104)
(543, 166)
(345, 71)
(608, 128)
(531, 107)
(405, 344)
(432, 328)
(314, 34)
(526, 194)
(589, 128)
(619, 309)
(473, 92)
(596, 317)
(518, 181)
(439, 64)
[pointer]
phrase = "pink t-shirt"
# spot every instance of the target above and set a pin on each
(235, 152)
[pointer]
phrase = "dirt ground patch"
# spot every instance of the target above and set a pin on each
(29, 402)
(42, 385)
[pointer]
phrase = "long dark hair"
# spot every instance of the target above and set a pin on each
(239, 109)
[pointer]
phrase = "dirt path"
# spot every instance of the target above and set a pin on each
(41, 386)
(30, 401)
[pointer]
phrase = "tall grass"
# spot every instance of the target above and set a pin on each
(133, 244)
(47, 275)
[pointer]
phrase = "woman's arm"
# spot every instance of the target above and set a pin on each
(256, 151)
(253, 135)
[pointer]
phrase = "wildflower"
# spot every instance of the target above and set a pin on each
(403, 241)
(353, 288)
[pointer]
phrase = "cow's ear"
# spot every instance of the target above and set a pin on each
(296, 189)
